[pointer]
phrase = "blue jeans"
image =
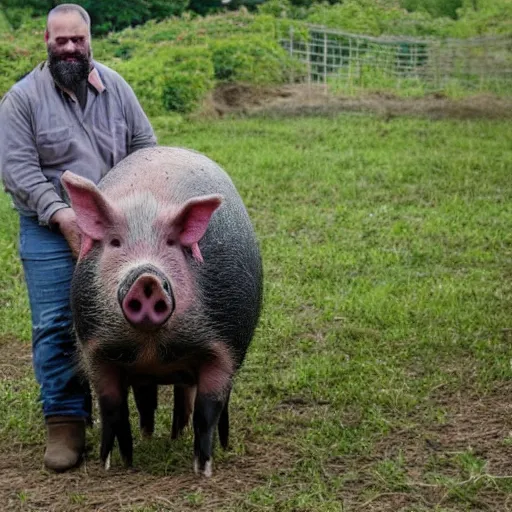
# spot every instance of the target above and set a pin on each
(48, 267)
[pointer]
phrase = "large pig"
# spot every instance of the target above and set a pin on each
(167, 290)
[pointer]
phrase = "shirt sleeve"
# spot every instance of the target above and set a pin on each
(19, 161)
(142, 134)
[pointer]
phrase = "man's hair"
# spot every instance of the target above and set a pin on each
(63, 8)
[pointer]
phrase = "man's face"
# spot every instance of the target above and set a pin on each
(69, 48)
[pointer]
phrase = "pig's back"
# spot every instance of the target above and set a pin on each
(171, 174)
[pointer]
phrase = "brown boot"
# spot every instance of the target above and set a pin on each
(65, 442)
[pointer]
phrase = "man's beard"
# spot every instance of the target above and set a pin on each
(66, 73)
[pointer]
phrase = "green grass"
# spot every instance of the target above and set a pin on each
(387, 248)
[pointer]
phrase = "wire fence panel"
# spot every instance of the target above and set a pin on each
(349, 61)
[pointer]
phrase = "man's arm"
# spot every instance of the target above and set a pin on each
(19, 160)
(142, 132)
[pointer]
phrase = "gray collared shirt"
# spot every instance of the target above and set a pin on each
(44, 132)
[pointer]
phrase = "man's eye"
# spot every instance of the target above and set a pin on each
(77, 40)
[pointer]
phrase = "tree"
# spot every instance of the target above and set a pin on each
(436, 8)
(106, 15)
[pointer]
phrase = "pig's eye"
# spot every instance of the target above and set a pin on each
(115, 242)
(170, 242)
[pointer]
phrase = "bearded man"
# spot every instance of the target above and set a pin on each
(74, 113)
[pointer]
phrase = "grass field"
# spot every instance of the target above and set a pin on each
(380, 375)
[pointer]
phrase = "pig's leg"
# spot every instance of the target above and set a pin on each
(224, 424)
(213, 389)
(184, 398)
(207, 411)
(113, 400)
(146, 399)
(115, 424)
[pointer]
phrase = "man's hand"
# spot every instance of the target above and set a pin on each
(65, 219)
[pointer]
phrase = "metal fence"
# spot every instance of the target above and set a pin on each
(355, 61)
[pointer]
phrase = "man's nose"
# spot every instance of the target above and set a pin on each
(69, 47)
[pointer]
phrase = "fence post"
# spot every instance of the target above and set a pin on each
(325, 59)
(485, 72)
(308, 57)
(350, 64)
(292, 75)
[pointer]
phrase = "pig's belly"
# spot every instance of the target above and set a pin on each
(180, 378)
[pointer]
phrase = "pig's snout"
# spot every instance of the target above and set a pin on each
(146, 298)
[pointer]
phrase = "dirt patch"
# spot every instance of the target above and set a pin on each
(290, 100)
(16, 359)
(25, 485)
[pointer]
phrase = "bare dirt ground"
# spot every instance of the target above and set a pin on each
(481, 425)
(294, 100)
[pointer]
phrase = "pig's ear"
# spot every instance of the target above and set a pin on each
(192, 221)
(93, 211)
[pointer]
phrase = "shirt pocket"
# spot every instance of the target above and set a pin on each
(113, 141)
(53, 146)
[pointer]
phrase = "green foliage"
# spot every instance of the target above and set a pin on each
(16, 17)
(187, 80)
(484, 17)
(16, 61)
(17, 12)
(365, 78)
(106, 15)
(112, 15)
(437, 8)
(376, 19)
(474, 17)
(350, 16)
(204, 7)
(176, 79)
(284, 9)
(253, 59)
(182, 91)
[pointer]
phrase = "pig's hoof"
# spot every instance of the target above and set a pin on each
(207, 471)
(127, 461)
(107, 462)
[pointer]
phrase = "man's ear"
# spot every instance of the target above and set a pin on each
(46, 36)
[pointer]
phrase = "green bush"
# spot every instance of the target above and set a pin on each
(183, 91)
(437, 8)
(490, 17)
(15, 63)
(284, 9)
(169, 78)
(254, 59)
(188, 80)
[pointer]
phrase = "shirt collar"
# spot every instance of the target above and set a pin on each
(93, 79)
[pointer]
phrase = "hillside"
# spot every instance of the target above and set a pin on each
(173, 65)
